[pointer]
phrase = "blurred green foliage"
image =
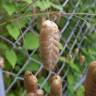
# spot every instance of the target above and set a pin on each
(15, 16)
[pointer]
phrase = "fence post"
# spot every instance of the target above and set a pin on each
(2, 90)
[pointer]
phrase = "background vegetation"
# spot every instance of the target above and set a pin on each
(19, 41)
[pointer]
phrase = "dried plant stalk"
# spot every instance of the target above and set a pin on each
(30, 82)
(49, 44)
(56, 86)
(90, 82)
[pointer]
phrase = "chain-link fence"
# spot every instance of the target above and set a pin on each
(76, 28)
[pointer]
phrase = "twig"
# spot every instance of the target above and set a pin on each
(48, 13)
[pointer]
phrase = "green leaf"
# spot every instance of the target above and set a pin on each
(58, 7)
(3, 46)
(80, 91)
(28, 1)
(13, 30)
(10, 8)
(33, 67)
(46, 4)
(62, 59)
(46, 86)
(11, 57)
(74, 66)
(71, 81)
(60, 46)
(40, 80)
(31, 41)
(22, 22)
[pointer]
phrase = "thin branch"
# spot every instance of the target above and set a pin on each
(47, 13)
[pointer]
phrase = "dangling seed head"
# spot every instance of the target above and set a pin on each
(49, 44)
(30, 82)
(90, 82)
(56, 86)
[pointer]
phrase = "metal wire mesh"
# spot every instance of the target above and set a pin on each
(74, 40)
